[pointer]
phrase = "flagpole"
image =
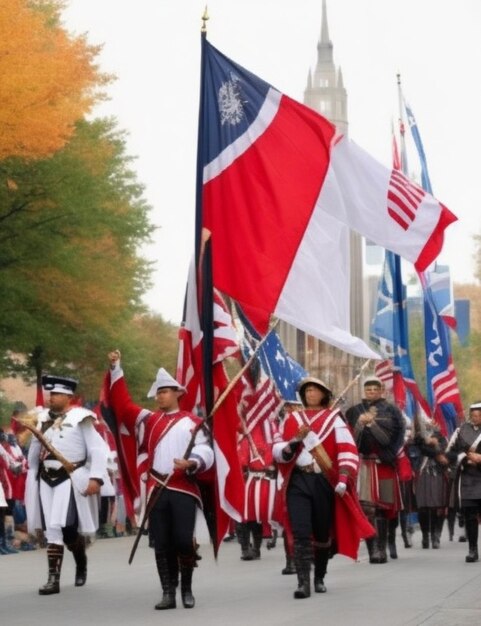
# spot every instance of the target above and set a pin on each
(404, 161)
(239, 374)
(351, 384)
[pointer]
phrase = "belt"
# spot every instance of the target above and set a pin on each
(160, 478)
(308, 469)
(267, 474)
(54, 471)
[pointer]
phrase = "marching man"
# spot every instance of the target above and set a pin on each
(64, 479)
(163, 438)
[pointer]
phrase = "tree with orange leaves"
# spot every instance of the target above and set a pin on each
(49, 79)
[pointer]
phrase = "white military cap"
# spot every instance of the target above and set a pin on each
(163, 379)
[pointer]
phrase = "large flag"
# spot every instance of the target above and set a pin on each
(442, 384)
(443, 390)
(228, 500)
(189, 359)
(389, 330)
(279, 187)
(272, 358)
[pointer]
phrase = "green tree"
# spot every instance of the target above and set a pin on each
(71, 227)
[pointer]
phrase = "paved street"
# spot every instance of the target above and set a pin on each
(429, 587)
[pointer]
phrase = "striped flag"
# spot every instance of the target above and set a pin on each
(279, 189)
(442, 384)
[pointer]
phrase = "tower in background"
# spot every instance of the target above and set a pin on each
(326, 94)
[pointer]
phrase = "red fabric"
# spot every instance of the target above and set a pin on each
(230, 482)
(350, 523)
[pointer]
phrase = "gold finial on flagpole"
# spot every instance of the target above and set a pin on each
(205, 17)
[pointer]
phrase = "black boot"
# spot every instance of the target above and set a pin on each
(424, 523)
(303, 560)
(186, 567)
(381, 538)
(321, 557)
(437, 523)
(391, 537)
(405, 534)
(271, 542)
(290, 567)
(77, 548)
(472, 529)
(451, 522)
(168, 588)
(55, 558)
(244, 535)
(372, 543)
(257, 539)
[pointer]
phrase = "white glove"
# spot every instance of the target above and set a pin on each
(311, 440)
(340, 489)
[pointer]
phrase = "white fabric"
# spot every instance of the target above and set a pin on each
(3, 502)
(163, 379)
(324, 293)
(76, 439)
(355, 192)
(174, 443)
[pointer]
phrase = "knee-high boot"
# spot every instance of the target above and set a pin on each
(290, 567)
(321, 558)
(272, 541)
(451, 522)
(303, 560)
(77, 548)
(55, 558)
(405, 534)
(391, 537)
(424, 523)
(381, 538)
(244, 534)
(257, 539)
(437, 523)
(186, 567)
(168, 588)
(372, 544)
(472, 530)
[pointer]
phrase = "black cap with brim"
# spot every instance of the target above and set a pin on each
(59, 384)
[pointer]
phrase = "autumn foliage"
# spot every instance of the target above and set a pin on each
(49, 79)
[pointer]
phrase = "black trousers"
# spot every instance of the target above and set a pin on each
(172, 522)
(310, 503)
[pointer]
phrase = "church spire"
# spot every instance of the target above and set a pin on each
(324, 27)
(325, 91)
(324, 46)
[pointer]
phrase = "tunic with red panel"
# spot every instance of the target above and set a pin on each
(161, 438)
(257, 462)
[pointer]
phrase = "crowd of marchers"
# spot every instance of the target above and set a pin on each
(319, 478)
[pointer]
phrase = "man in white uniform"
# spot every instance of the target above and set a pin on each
(65, 504)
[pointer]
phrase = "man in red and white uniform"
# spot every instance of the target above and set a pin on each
(318, 460)
(163, 438)
(255, 454)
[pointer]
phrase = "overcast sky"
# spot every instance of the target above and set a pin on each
(153, 47)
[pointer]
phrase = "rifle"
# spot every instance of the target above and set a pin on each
(66, 464)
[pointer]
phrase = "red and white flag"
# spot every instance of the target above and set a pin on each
(229, 480)
(279, 189)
